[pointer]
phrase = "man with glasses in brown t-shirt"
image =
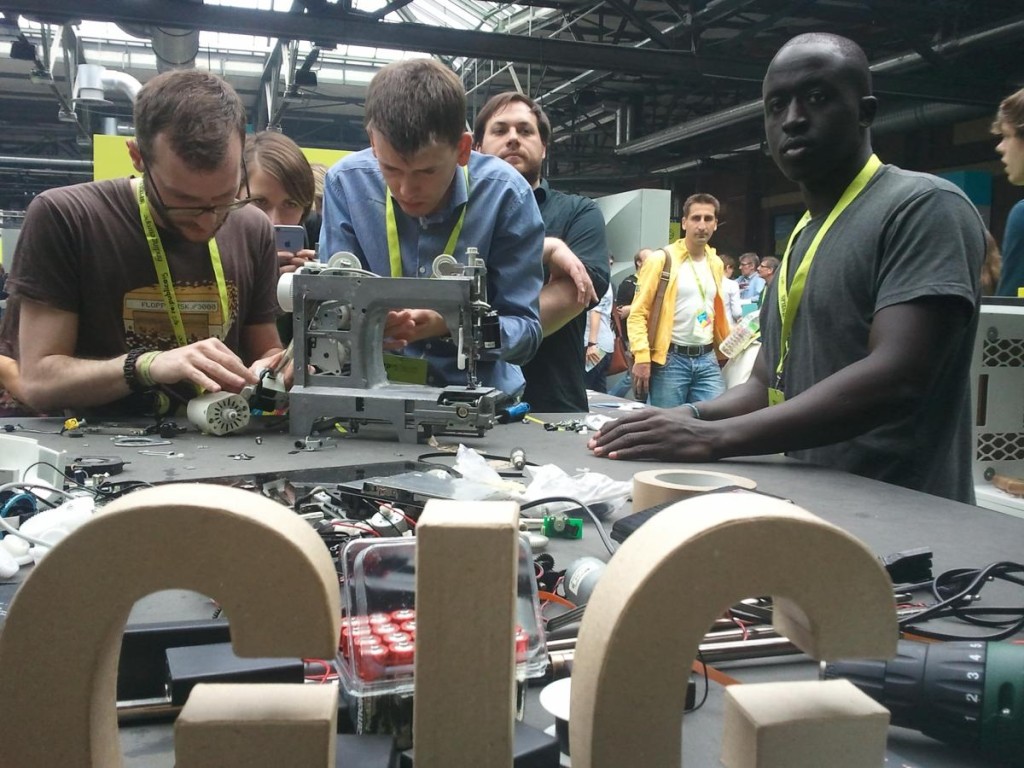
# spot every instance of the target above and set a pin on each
(129, 286)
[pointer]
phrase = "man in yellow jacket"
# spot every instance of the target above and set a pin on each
(689, 320)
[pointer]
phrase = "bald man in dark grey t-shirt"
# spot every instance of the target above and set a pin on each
(877, 376)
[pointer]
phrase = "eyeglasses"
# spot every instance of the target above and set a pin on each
(190, 213)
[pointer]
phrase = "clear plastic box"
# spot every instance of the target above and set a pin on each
(378, 600)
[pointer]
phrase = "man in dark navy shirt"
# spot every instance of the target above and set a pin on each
(513, 127)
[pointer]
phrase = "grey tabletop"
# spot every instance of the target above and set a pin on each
(885, 517)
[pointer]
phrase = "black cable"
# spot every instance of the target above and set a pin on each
(63, 472)
(968, 584)
(488, 456)
(425, 459)
(564, 619)
(115, 490)
(704, 698)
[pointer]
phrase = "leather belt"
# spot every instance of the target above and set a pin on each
(691, 350)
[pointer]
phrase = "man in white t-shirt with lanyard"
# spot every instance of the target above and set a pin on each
(678, 363)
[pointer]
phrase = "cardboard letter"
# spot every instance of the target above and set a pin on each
(463, 710)
(59, 647)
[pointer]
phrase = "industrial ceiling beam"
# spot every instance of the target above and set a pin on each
(354, 29)
(641, 22)
(738, 113)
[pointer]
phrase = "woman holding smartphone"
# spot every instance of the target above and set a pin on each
(281, 183)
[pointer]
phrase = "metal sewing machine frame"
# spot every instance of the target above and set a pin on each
(340, 378)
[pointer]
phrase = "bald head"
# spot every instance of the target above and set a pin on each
(855, 62)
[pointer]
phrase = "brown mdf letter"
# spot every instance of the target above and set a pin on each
(803, 724)
(261, 562)
(465, 679)
(668, 583)
(257, 725)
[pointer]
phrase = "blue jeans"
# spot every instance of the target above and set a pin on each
(684, 379)
(622, 387)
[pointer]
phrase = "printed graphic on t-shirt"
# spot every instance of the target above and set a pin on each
(147, 323)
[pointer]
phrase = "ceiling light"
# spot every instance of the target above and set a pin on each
(305, 79)
(23, 50)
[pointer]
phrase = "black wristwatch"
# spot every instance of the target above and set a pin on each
(591, 343)
(130, 375)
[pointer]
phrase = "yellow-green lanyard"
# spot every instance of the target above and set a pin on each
(395, 248)
(700, 283)
(790, 296)
(163, 271)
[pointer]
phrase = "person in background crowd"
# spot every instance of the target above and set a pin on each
(514, 127)
(1009, 126)
(281, 185)
(677, 363)
(623, 305)
(766, 269)
(731, 290)
(751, 284)
(600, 344)
(869, 369)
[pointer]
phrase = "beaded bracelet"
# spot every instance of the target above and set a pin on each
(131, 376)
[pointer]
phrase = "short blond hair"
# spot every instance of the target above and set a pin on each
(319, 173)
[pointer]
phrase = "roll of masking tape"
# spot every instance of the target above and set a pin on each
(658, 486)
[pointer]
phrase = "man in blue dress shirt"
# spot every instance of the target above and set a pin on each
(444, 199)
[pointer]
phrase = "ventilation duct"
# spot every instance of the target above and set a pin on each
(174, 48)
(92, 82)
(752, 109)
(918, 116)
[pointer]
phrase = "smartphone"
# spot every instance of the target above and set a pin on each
(290, 237)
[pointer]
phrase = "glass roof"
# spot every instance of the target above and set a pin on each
(108, 44)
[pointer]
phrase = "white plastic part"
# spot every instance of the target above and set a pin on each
(23, 459)
(344, 259)
(218, 413)
(284, 291)
(51, 525)
(8, 565)
(445, 265)
(18, 548)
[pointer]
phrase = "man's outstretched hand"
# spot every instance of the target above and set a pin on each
(655, 433)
